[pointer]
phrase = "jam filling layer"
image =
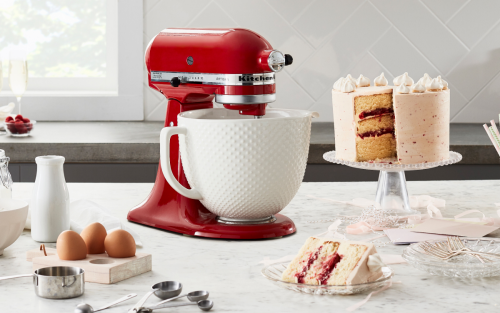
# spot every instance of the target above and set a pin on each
(377, 133)
(300, 275)
(327, 268)
(376, 112)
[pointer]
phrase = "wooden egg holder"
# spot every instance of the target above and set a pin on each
(99, 268)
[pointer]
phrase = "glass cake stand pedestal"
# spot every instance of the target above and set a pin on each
(392, 193)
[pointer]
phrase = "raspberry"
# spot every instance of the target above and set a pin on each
(8, 119)
(20, 127)
(23, 130)
(26, 120)
(12, 128)
(19, 117)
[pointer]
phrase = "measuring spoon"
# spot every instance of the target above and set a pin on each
(193, 296)
(87, 308)
(163, 290)
(205, 305)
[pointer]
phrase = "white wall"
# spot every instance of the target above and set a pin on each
(457, 39)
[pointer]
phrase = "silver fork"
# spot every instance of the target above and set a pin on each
(455, 244)
(458, 243)
(437, 251)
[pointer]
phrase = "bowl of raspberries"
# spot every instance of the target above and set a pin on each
(19, 126)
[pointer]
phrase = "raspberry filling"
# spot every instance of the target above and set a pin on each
(328, 267)
(377, 133)
(376, 112)
(300, 275)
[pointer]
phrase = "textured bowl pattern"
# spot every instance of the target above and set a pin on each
(245, 169)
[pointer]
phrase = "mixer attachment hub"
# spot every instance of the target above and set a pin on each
(239, 221)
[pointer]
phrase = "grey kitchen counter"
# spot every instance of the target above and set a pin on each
(230, 269)
(138, 142)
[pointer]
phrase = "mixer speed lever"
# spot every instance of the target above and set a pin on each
(175, 82)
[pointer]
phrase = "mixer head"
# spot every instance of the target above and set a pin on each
(235, 67)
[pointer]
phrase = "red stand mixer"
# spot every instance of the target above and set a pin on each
(191, 67)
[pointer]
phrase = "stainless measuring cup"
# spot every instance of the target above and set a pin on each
(57, 282)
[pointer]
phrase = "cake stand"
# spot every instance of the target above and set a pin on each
(391, 189)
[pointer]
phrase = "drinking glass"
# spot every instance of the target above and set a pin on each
(1, 72)
(18, 74)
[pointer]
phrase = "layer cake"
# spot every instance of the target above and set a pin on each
(406, 123)
(323, 261)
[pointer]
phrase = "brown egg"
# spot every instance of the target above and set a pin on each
(120, 244)
(70, 246)
(94, 235)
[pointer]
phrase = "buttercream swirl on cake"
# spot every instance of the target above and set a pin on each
(363, 81)
(348, 86)
(380, 80)
(418, 87)
(349, 77)
(338, 83)
(403, 79)
(402, 88)
(375, 263)
(425, 79)
(443, 82)
(434, 85)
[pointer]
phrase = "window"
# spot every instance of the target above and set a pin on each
(84, 57)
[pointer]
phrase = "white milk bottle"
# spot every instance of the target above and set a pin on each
(50, 200)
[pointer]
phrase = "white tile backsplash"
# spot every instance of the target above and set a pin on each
(323, 17)
(426, 33)
(474, 20)
(445, 9)
(457, 39)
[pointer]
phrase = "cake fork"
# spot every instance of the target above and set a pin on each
(458, 243)
(440, 251)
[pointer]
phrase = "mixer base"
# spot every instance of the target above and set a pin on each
(190, 217)
(282, 226)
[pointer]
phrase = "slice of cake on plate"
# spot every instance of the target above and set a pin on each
(406, 123)
(334, 262)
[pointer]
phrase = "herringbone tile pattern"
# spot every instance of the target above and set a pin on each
(457, 39)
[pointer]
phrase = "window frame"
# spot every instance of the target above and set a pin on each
(117, 99)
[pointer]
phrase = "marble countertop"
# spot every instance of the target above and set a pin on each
(230, 271)
(138, 142)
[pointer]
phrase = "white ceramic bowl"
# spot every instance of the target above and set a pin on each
(240, 168)
(13, 214)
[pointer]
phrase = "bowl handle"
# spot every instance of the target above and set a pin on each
(165, 135)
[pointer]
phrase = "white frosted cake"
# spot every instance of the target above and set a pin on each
(334, 262)
(406, 123)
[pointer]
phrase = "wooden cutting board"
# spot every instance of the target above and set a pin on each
(99, 268)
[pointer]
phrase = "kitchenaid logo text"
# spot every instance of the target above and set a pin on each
(248, 78)
(214, 79)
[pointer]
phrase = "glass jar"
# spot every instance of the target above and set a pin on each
(5, 178)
